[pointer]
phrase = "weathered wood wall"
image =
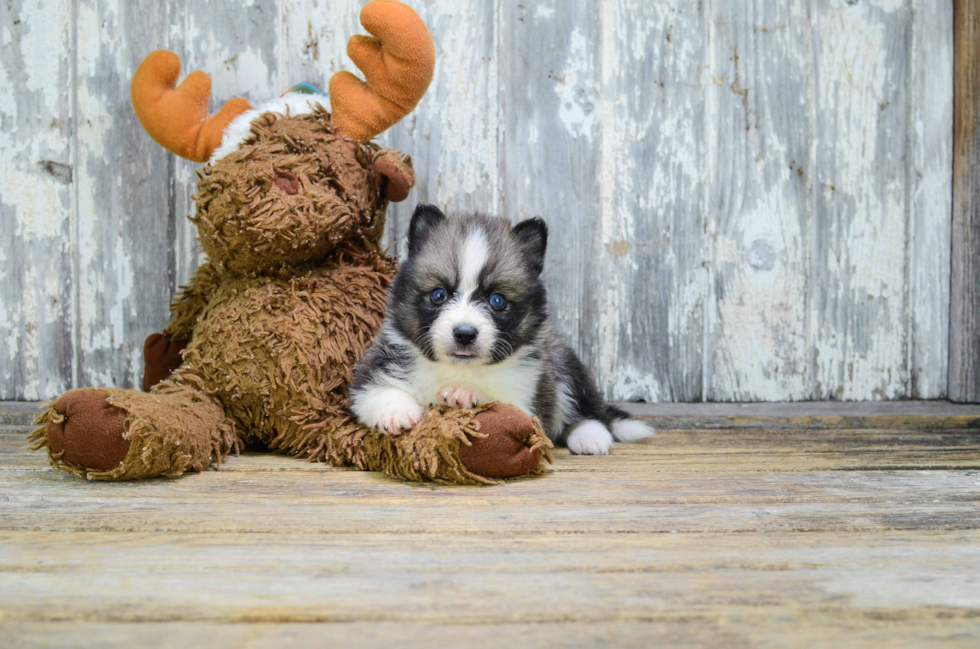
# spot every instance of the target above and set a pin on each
(749, 200)
(964, 340)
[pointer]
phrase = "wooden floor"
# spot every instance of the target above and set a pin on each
(788, 525)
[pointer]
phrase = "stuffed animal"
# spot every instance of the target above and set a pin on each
(260, 349)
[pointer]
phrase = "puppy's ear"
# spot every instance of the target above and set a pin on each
(425, 219)
(532, 234)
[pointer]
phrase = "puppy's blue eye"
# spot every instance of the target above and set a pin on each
(498, 301)
(439, 295)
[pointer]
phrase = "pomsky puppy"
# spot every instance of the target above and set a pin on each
(467, 323)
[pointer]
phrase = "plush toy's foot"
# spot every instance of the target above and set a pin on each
(110, 434)
(513, 445)
(87, 431)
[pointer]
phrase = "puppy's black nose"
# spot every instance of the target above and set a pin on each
(464, 334)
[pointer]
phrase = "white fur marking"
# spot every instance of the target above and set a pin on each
(630, 430)
(472, 258)
(473, 254)
(458, 312)
(513, 380)
(589, 437)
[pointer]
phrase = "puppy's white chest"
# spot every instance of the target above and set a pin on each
(512, 381)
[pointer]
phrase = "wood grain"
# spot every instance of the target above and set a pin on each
(760, 134)
(964, 343)
(664, 142)
(435, 579)
(739, 536)
(453, 134)
(122, 183)
(551, 143)
(37, 215)
(930, 195)
(644, 315)
(858, 276)
(932, 628)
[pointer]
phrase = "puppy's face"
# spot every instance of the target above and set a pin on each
(470, 292)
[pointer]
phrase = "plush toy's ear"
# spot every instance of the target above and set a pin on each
(394, 175)
(532, 234)
(425, 219)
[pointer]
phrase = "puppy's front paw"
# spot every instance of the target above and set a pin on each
(389, 410)
(456, 397)
(398, 419)
(590, 438)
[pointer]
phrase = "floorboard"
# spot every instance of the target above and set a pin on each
(782, 528)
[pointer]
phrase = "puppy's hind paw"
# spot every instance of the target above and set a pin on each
(589, 437)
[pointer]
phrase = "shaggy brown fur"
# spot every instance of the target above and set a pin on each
(292, 293)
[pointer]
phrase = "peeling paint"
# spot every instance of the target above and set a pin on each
(35, 279)
(578, 97)
(733, 211)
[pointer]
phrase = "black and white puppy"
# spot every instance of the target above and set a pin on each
(467, 323)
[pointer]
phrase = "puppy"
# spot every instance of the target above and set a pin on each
(467, 323)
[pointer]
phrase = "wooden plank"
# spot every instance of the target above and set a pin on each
(927, 415)
(829, 629)
(550, 93)
(702, 463)
(123, 188)
(859, 274)
(760, 125)
(36, 198)
(101, 577)
(715, 537)
(683, 451)
(964, 332)
(314, 40)
(452, 135)
(930, 193)
(692, 490)
(641, 321)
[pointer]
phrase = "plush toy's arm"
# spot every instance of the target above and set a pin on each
(191, 301)
(163, 353)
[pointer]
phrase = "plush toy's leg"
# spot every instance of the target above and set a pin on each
(473, 446)
(112, 434)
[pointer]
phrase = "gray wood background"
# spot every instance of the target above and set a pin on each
(964, 330)
(749, 200)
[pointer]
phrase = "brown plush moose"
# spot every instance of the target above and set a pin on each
(290, 212)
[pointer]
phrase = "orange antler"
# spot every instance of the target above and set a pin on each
(397, 64)
(177, 118)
